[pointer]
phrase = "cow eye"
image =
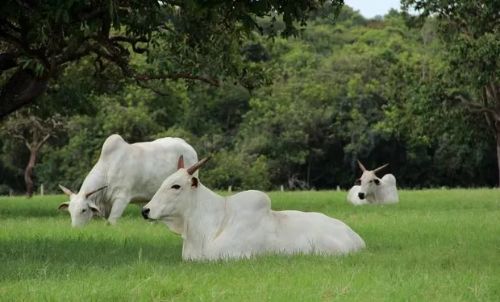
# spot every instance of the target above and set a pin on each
(84, 210)
(176, 187)
(377, 182)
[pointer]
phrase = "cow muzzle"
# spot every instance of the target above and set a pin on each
(361, 195)
(145, 213)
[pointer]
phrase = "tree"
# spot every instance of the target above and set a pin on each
(377, 90)
(195, 40)
(471, 31)
(34, 132)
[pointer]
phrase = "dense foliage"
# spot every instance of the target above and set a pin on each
(345, 88)
(470, 32)
(192, 39)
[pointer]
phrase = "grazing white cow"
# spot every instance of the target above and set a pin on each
(242, 225)
(125, 173)
(371, 189)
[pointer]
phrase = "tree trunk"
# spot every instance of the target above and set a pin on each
(308, 177)
(28, 172)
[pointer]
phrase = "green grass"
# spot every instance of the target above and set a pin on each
(435, 245)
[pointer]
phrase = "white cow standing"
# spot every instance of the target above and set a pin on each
(242, 225)
(371, 189)
(125, 173)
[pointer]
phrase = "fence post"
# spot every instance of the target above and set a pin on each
(282, 189)
(41, 190)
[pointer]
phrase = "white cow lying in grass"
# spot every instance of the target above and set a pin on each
(242, 225)
(371, 189)
(125, 173)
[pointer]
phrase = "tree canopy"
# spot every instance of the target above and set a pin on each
(297, 111)
(195, 40)
(470, 30)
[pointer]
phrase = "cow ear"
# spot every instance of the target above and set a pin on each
(194, 182)
(377, 181)
(180, 162)
(63, 206)
(95, 210)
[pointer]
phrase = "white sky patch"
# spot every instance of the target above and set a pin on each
(372, 8)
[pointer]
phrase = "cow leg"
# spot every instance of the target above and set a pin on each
(117, 210)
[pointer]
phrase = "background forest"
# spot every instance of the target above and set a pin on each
(302, 112)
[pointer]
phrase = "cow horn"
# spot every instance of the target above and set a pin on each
(92, 192)
(180, 162)
(380, 168)
(196, 166)
(66, 190)
(361, 166)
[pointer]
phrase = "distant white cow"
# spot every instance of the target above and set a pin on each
(371, 189)
(242, 225)
(125, 173)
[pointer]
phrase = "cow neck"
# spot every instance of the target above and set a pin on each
(371, 197)
(377, 194)
(95, 180)
(203, 218)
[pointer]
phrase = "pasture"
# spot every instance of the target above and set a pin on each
(435, 245)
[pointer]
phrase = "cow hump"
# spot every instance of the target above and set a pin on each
(111, 144)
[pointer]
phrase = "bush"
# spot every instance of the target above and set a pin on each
(4, 189)
(238, 170)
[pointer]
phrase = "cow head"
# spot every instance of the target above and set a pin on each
(80, 207)
(173, 197)
(368, 180)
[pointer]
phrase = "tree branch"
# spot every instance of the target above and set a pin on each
(132, 41)
(40, 144)
(491, 91)
(21, 89)
(478, 108)
(19, 136)
(176, 76)
(10, 25)
(116, 59)
(16, 42)
(84, 49)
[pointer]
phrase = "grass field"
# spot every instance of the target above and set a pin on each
(435, 245)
